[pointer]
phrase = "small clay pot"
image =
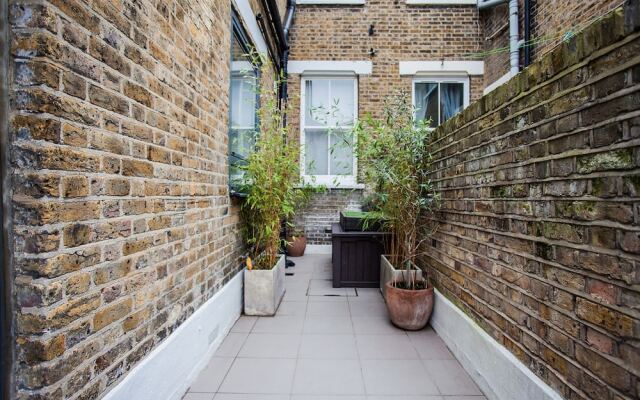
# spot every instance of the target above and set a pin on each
(409, 309)
(296, 246)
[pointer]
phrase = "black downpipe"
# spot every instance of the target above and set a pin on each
(527, 33)
(288, 22)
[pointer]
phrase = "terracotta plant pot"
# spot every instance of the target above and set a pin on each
(296, 246)
(409, 309)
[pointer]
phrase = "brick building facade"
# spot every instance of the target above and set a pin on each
(122, 221)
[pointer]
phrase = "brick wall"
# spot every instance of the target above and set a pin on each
(402, 33)
(539, 237)
(123, 225)
(323, 210)
(551, 19)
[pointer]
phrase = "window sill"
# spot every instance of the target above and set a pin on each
(332, 182)
(442, 2)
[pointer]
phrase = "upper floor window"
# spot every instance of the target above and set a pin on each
(328, 112)
(243, 103)
(438, 99)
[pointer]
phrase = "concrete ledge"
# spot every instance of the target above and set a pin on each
(498, 373)
(169, 369)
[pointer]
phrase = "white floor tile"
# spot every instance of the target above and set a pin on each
(210, 378)
(328, 325)
(397, 377)
(279, 324)
(231, 344)
(375, 326)
(385, 347)
(259, 376)
(244, 324)
(328, 347)
(270, 345)
(451, 378)
(336, 377)
(328, 309)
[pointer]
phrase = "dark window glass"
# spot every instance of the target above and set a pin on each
(438, 101)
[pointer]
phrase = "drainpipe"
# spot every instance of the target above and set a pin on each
(288, 22)
(514, 37)
(514, 46)
(527, 32)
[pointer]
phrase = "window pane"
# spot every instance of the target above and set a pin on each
(426, 98)
(451, 99)
(316, 152)
(243, 102)
(317, 105)
(341, 153)
(342, 93)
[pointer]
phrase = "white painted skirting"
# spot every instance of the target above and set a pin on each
(318, 249)
(498, 373)
(169, 369)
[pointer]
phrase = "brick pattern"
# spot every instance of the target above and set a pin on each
(539, 237)
(551, 19)
(401, 32)
(323, 210)
(123, 223)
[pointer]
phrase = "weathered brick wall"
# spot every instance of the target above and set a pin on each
(551, 19)
(539, 237)
(401, 32)
(123, 222)
(323, 210)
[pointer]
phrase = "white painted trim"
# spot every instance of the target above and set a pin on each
(325, 67)
(442, 2)
(249, 18)
(169, 369)
(498, 373)
(439, 67)
(326, 180)
(318, 249)
(338, 2)
(503, 79)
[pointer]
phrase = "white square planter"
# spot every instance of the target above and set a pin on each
(389, 273)
(263, 289)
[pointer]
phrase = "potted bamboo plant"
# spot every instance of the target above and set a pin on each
(270, 182)
(395, 155)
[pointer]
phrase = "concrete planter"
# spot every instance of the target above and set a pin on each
(388, 273)
(263, 289)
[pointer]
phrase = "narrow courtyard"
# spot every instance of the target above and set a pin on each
(330, 343)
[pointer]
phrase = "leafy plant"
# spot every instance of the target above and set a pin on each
(271, 176)
(395, 158)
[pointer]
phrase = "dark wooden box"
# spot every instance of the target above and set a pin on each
(356, 257)
(350, 223)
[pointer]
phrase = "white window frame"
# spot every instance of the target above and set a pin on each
(329, 181)
(427, 78)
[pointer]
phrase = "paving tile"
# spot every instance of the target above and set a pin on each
(375, 326)
(326, 397)
(464, 398)
(212, 375)
(270, 345)
(231, 344)
(292, 308)
(198, 396)
(295, 295)
(245, 396)
(451, 378)
(328, 347)
(368, 309)
(328, 299)
(406, 398)
(327, 325)
(389, 347)
(279, 324)
(397, 377)
(336, 377)
(244, 324)
(328, 309)
(429, 345)
(260, 376)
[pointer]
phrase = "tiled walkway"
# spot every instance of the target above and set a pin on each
(328, 343)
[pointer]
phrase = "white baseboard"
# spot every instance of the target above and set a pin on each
(498, 373)
(169, 369)
(318, 249)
